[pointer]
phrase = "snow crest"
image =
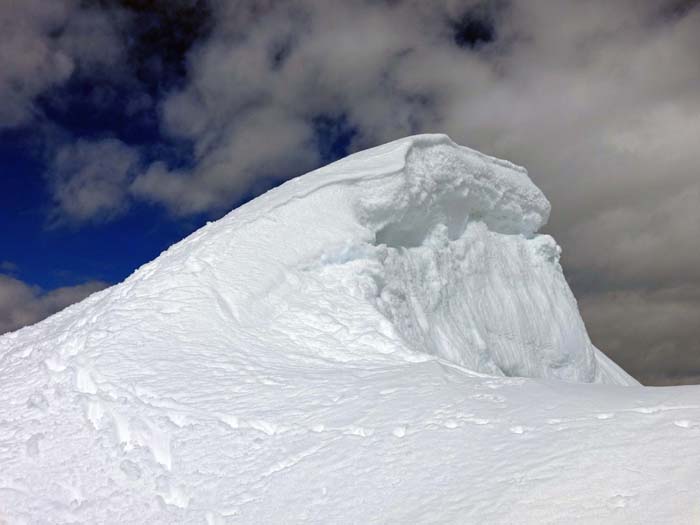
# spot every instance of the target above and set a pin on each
(335, 328)
(417, 247)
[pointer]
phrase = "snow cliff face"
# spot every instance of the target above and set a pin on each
(417, 247)
(343, 338)
(450, 256)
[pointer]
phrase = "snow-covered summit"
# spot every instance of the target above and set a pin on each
(416, 247)
(313, 348)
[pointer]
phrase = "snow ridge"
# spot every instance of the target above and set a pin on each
(417, 246)
(335, 328)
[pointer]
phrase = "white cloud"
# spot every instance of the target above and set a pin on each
(230, 168)
(89, 179)
(652, 333)
(22, 304)
(42, 45)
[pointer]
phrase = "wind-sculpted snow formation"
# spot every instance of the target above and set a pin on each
(386, 339)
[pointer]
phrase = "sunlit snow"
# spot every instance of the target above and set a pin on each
(385, 340)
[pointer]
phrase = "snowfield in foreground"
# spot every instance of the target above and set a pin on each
(384, 340)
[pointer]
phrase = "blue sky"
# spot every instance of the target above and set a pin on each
(127, 124)
(66, 255)
(89, 105)
(51, 252)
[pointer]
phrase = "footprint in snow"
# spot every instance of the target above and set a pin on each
(359, 431)
(488, 397)
(400, 431)
(618, 501)
(683, 423)
(517, 429)
(130, 469)
(604, 416)
(646, 410)
(37, 400)
(32, 445)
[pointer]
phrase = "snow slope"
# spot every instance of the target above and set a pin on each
(384, 340)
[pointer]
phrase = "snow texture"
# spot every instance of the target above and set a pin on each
(384, 340)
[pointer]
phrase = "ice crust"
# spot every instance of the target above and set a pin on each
(343, 349)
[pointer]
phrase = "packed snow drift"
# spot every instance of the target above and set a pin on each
(384, 340)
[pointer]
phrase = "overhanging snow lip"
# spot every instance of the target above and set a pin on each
(387, 160)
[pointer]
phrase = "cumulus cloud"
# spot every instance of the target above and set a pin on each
(653, 334)
(89, 179)
(8, 267)
(43, 43)
(230, 168)
(22, 304)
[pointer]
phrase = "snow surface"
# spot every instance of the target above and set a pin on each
(384, 340)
